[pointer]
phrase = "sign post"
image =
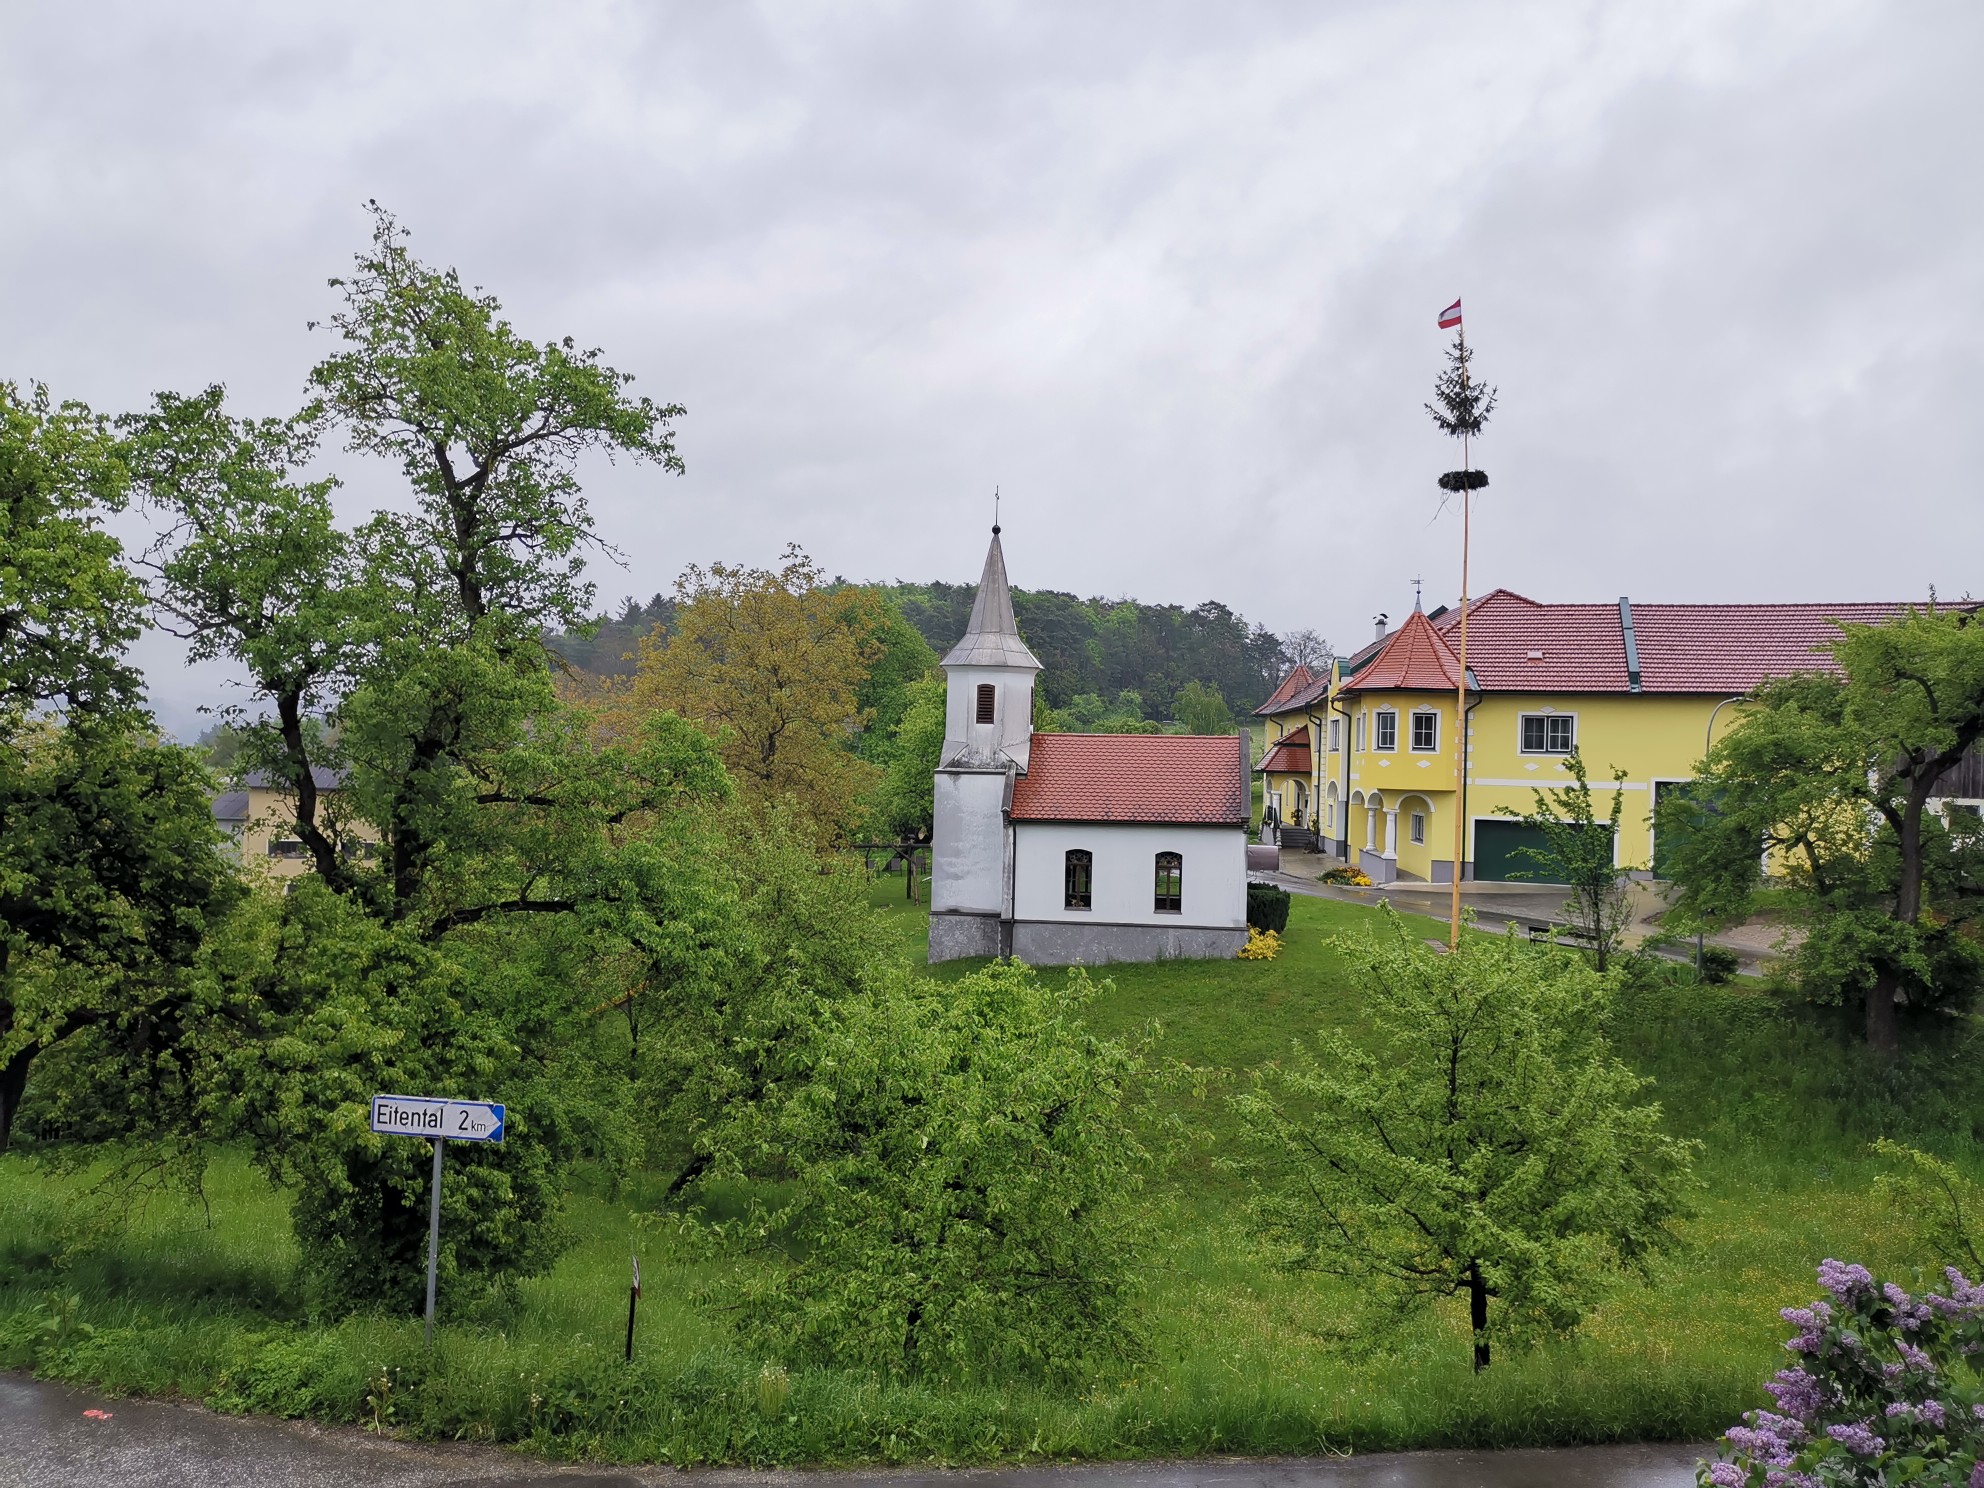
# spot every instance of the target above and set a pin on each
(436, 1120)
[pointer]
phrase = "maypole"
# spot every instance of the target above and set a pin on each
(1462, 410)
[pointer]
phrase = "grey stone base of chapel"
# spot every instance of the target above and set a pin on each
(1057, 943)
(1060, 943)
(956, 936)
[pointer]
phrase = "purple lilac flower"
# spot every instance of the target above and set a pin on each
(1891, 1372)
(1932, 1411)
(1810, 1322)
(1977, 1476)
(1846, 1282)
(1726, 1475)
(1914, 1357)
(1798, 1393)
(1760, 1443)
(1857, 1439)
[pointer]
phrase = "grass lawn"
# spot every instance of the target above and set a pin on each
(1241, 1359)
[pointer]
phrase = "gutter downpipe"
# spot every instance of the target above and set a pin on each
(1343, 799)
(1012, 855)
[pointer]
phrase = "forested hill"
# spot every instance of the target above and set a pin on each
(1111, 646)
(1104, 647)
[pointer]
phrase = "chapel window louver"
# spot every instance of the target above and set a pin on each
(987, 699)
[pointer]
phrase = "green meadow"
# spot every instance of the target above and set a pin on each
(204, 1300)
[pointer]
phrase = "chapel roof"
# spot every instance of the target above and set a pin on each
(1185, 780)
(992, 636)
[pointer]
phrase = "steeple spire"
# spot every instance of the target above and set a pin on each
(992, 638)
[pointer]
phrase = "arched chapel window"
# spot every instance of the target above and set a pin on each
(1079, 876)
(987, 694)
(1170, 897)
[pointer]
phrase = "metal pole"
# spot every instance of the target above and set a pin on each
(433, 1241)
(1460, 689)
(633, 1297)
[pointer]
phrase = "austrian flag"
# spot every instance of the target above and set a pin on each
(1450, 316)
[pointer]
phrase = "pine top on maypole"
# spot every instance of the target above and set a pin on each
(1460, 408)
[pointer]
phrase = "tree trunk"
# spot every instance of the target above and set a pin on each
(1883, 1037)
(1477, 1313)
(13, 1085)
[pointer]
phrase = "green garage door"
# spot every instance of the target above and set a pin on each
(1499, 855)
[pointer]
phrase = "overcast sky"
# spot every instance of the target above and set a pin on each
(1167, 274)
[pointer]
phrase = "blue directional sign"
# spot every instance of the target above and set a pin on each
(435, 1119)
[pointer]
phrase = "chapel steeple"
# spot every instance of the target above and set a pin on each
(992, 636)
(989, 676)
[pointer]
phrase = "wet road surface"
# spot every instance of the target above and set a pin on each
(46, 1439)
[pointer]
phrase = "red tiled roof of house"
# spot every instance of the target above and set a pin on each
(1414, 658)
(1289, 754)
(1194, 780)
(1731, 648)
(1301, 679)
(1515, 644)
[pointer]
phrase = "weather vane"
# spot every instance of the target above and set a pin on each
(995, 511)
(1417, 586)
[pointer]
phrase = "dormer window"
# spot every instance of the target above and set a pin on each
(987, 696)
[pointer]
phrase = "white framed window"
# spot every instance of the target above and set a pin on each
(1418, 826)
(1387, 724)
(1336, 735)
(1548, 733)
(1359, 732)
(1425, 732)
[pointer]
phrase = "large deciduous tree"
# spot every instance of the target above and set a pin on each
(509, 836)
(773, 661)
(110, 862)
(1482, 1142)
(1826, 781)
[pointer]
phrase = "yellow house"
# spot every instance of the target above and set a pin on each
(1287, 768)
(260, 821)
(1641, 688)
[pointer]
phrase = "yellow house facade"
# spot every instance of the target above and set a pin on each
(1637, 688)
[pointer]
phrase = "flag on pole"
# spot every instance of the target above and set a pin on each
(1450, 316)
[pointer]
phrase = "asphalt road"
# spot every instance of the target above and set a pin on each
(48, 1441)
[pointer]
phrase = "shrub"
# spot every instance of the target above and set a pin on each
(1885, 1390)
(1718, 965)
(1262, 945)
(961, 1201)
(1267, 907)
(1349, 878)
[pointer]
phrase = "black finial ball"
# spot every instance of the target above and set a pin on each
(995, 529)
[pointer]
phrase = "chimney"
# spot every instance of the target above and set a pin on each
(1381, 627)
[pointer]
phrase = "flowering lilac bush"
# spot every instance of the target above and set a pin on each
(1888, 1389)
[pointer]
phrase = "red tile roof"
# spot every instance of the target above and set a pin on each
(1299, 680)
(1289, 754)
(1191, 779)
(1415, 658)
(1515, 644)
(1731, 648)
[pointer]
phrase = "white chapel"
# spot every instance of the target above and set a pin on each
(1076, 848)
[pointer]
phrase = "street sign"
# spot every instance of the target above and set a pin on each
(438, 1121)
(430, 1117)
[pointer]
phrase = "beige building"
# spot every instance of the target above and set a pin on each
(260, 820)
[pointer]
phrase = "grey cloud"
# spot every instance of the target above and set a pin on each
(1164, 272)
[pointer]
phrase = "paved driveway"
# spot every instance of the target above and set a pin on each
(46, 1439)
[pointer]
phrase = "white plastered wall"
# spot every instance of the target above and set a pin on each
(1215, 873)
(968, 846)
